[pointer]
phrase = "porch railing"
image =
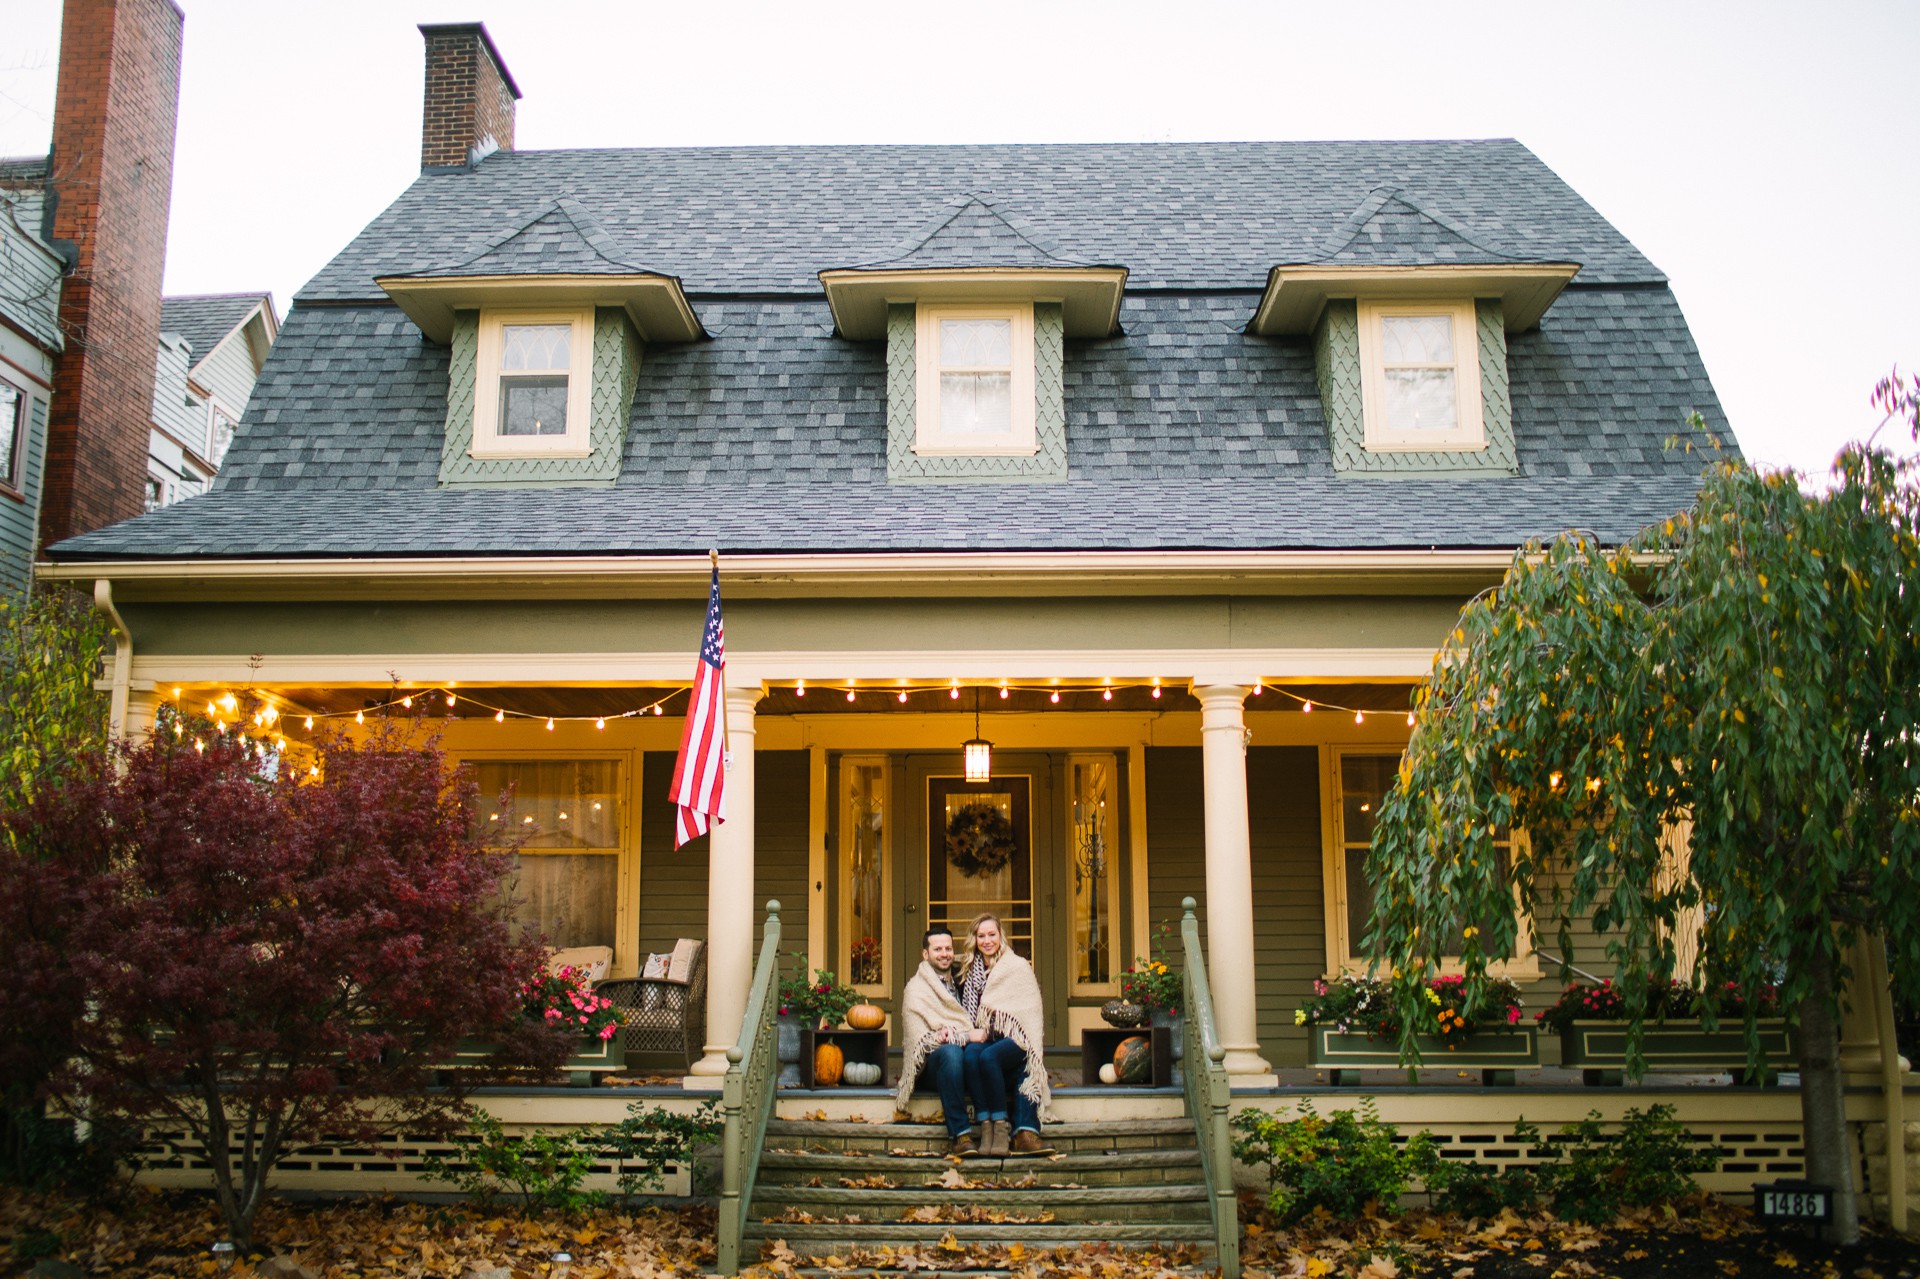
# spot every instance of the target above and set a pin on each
(747, 1098)
(1208, 1095)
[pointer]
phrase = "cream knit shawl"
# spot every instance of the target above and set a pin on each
(927, 1007)
(1011, 1006)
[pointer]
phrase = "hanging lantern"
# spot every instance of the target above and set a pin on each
(977, 752)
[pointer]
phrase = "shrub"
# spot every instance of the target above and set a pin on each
(1649, 1161)
(1471, 1188)
(544, 1171)
(1346, 1163)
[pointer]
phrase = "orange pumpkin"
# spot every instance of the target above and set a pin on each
(866, 1016)
(828, 1063)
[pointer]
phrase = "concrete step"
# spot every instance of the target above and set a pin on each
(1130, 1204)
(810, 1239)
(828, 1136)
(1094, 1168)
(1070, 1105)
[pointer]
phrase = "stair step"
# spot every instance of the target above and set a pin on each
(1052, 1235)
(1102, 1167)
(1178, 1127)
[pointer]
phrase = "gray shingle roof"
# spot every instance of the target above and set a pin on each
(1389, 228)
(975, 234)
(1186, 432)
(768, 219)
(203, 320)
(563, 239)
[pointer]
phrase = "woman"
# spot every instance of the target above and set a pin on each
(1006, 1050)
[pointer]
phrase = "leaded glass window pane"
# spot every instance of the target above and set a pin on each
(1096, 869)
(976, 403)
(535, 348)
(976, 344)
(1417, 339)
(533, 405)
(866, 851)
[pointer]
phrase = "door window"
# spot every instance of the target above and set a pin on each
(980, 856)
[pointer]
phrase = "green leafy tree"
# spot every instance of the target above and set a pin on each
(1750, 667)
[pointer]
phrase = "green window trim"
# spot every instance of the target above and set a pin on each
(616, 375)
(1048, 465)
(1336, 365)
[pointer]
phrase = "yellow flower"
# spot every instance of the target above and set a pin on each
(1432, 998)
(1299, 1016)
(1470, 931)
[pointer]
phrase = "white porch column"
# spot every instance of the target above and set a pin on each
(1223, 747)
(730, 893)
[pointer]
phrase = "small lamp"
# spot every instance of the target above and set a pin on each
(223, 1255)
(978, 751)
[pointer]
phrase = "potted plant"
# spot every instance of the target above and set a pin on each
(1590, 1019)
(1155, 985)
(565, 997)
(1353, 1022)
(816, 1004)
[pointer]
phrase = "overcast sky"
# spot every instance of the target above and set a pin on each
(1762, 154)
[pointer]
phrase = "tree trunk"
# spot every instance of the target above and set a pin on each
(1823, 1117)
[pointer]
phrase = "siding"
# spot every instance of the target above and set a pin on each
(673, 883)
(174, 410)
(228, 372)
(1289, 924)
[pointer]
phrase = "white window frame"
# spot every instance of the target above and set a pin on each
(214, 454)
(1341, 957)
(929, 439)
(487, 440)
(1471, 432)
(13, 465)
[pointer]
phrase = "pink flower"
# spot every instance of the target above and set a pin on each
(1513, 1016)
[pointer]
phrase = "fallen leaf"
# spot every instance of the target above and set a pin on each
(1379, 1267)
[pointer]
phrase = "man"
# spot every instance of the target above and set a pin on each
(933, 1037)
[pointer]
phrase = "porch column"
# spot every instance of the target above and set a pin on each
(730, 892)
(1223, 746)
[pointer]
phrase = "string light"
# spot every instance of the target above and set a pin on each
(549, 723)
(1359, 717)
(406, 703)
(1259, 689)
(499, 717)
(657, 710)
(849, 694)
(1003, 692)
(903, 696)
(1306, 708)
(359, 717)
(601, 722)
(309, 721)
(800, 688)
(450, 699)
(1409, 719)
(1054, 698)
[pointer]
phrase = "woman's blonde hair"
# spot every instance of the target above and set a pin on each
(973, 939)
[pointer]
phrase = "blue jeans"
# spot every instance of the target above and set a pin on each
(946, 1070)
(995, 1071)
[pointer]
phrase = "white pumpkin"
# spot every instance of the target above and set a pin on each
(861, 1074)
(1108, 1075)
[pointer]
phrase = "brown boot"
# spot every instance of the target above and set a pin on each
(963, 1147)
(995, 1145)
(1027, 1142)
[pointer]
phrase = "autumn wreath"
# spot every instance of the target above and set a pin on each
(979, 840)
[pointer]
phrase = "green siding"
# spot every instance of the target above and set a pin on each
(1283, 827)
(616, 373)
(1336, 365)
(384, 631)
(1048, 465)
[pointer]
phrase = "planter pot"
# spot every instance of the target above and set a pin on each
(1175, 1029)
(591, 1058)
(1496, 1054)
(787, 1048)
(1598, 1049)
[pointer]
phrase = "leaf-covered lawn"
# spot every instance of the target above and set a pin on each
(152, 1233)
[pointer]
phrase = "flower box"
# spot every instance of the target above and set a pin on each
(1496, 1054)
(591, 1058)
(1599, 1048)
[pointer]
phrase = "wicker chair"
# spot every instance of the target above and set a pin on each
(661, 1014)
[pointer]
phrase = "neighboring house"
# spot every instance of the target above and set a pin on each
(211, 350)
(1163, 468)
(30, 343)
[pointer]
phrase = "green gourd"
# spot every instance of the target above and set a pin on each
(1133, 1060)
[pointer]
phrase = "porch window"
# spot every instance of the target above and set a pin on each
(569, 813)
(863, 889)
(1360, 781)
(1096, 867)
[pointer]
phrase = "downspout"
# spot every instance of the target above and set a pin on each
(122, 658)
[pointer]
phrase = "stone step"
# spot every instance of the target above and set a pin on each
(824, 1136)
(1096, 1168)
(815, 1238)
(1132, 1204)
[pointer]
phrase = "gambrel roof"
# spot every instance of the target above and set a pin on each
(1185, 431)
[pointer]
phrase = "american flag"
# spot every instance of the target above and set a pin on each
(700, 773)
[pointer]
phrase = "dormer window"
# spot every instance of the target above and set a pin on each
(1420, 368)
(535, 383)
(974, 370)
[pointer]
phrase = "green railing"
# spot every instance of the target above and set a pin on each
(747, 1100)
(1208, 1095)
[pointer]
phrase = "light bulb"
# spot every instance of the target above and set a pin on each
(1106, 694)
(450, 699)
(658, 711)
(954, 693)
(549, 723)
(601, 722)
(1003, 692)
(1306, 708)
(1259, 689)
(800, 688)
(406, 703)
(1156, 690)
(359, 717)
(1054, 698)
(309, 721)
(499, 717)
(849, 694)
(1359, 717)
(903, 694)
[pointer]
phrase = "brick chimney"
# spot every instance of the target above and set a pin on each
(469, 101)
(109, 181)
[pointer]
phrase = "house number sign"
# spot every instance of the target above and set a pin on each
(1793, 1201)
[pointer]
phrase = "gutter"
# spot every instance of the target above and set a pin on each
(122, 685)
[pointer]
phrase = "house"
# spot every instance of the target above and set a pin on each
(30, 344)
(210, 352)
(83, 235)
(1164, 469)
